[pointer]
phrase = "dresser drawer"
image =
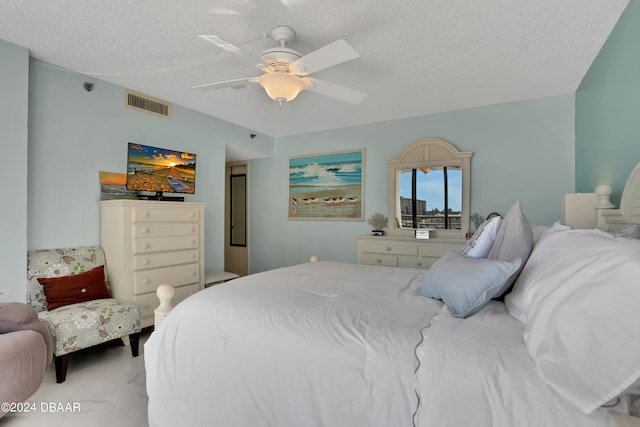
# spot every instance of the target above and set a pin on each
(156, 244)
(439, 250)
(145, 214)
(415, 262)
(148, 280)
(167, 229)
(162, 259)
(380, 259)
(403, 251)
(149, 302)
(391, 248)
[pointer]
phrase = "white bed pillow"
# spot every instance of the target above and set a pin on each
(533, 283)
(514, 240)
(482, 240)
(583, 315)
(464, 284)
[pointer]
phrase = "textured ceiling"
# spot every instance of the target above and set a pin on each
(417, 57)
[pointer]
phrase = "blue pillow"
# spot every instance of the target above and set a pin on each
(464, 284)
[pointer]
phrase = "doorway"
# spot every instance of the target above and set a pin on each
(236, 256)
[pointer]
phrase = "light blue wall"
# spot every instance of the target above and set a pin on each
(608, 110)
(14, 89)
(74, 134)
(522, 150)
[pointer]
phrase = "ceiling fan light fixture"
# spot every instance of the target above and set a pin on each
(286, 72)
(281, 87)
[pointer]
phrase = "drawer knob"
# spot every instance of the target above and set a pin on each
(192, 229)
(145, 230)
(192, 255)
(419, 263)
(388, 248)
(147, 280)
(193, 273)
(146, 214)
(146, 245)
(378, 260)
(193, 243)
(192, 214)
(146, 261)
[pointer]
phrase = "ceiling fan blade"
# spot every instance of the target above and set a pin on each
(246, 56)
(332, 54)
(333, 90)
(236, 84)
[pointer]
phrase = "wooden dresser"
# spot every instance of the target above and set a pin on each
(404, 251)
(148, 243)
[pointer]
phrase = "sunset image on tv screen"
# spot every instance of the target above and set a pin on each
(160, 170)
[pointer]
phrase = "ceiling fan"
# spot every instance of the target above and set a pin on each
(286, 72)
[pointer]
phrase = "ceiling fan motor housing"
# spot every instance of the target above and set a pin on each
(280, 57)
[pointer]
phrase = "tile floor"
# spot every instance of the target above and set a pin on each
(105, 382)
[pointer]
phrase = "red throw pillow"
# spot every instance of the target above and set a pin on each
(87, 286)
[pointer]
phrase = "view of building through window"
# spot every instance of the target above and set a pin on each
(431, 198)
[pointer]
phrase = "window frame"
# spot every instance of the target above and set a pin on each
(429, 152)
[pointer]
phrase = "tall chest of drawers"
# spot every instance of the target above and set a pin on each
(148, 243)
(404, 251)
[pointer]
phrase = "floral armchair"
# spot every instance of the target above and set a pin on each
(79, 325)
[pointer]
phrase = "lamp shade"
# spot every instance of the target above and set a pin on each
(281, 86)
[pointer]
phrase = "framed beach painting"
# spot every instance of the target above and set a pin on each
(327, 186)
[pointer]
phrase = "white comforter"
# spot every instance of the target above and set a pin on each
(318, 344)
(477, 372)
(335, 344)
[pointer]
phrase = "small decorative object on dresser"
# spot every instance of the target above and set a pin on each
(477, 220)
(378, 222)
(423, 233)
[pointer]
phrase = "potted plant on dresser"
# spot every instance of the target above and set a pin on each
(378, 221)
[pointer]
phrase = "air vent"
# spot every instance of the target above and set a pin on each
(145, 103)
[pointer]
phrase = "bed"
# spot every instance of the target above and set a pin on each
(336, 344)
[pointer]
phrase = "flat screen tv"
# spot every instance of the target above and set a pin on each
(160, 170)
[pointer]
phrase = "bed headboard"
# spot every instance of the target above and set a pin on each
(629, 211)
